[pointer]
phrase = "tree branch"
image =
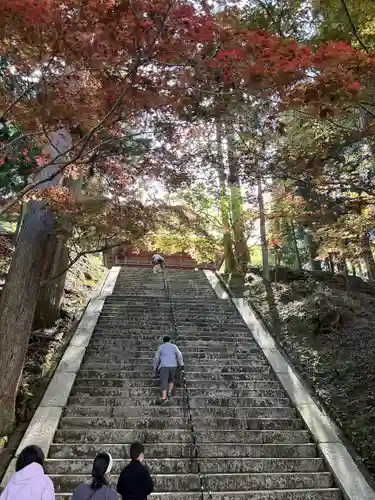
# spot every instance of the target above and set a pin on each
(354, 29)
(78, 256)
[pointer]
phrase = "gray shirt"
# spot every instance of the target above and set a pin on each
(84, 491)
(168, 356)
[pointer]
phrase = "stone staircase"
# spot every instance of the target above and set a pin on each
(251, 442)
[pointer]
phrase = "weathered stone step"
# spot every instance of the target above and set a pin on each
(210, 366)
(72, 422)
(177, 411)
(227, 402)
(188, 465)
(200, 385)
(160, 310)
(315, 494)
(120, 436)
(149, 333)
(142, 402)
(151, 309)
(176, 450)
(159, 422)
(220, 482)
(92, 372)
(194, 393)
(196, 356)
(120, 333)
(214, 362)
(200, 351)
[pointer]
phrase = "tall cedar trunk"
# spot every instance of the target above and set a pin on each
(368, 258)
(354, 270)
(23, 210)
(312, 248)
(51, 294)
(276, 322)
(229, 260)
(57, 259)
(17, 306)
(263, 234)
(331, 264)
(237, 210)
(295, 244)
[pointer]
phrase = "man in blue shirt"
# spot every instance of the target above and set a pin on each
(167, 358)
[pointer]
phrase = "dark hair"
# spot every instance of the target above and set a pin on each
(135, 450)
(99, 469)
(166, 339)
(29, 455)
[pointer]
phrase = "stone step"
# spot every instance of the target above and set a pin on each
(235, 373)
(193, 393)
(226, 402)
(193, 385)
(297, 494)
(132, 355)
(159, 422)
(188, 465)
(196, 356)
(191, 311)
(191, 362)
(112, 401)
(316, 494)
(178, 411)
(158, 309)
(92, 372)
(212, 366)
(199, 351)
(219, 482)
(151, 332)
(176, 450)
(119, 333)
(120, 436)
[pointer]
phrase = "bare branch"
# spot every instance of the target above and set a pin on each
(354, 29)
(78, 256)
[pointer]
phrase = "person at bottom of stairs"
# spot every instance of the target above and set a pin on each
(167, 359)
(98, 489)
(135, 481)
(29, 482)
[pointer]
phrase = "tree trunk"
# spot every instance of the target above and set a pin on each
(51, 294)
(263, 234)
(229, 260)
(23, 210)
(295, 245)
(17, 306)
(354, 270)
(276, 322)
(312, 247)
(237, 210)
(368, 258)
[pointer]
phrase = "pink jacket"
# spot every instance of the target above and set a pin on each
(29, 483)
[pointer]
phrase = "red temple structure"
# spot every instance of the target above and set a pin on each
(129, 256)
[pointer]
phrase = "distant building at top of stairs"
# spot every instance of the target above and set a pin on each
(127, 255)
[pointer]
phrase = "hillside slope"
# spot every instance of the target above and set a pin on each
(329, 333)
